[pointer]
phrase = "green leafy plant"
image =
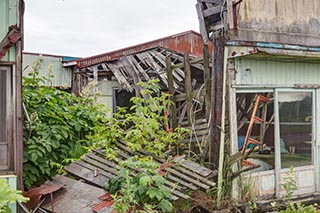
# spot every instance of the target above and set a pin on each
(141, 126)
(299, 207)
(9, 195)
(289, 183)
(141, 192)
(56, 126)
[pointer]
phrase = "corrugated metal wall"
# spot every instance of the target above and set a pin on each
(273, 72)
(62, 75)
(8, 17)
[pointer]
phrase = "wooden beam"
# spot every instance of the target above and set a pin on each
(192, 61)
(202, 25)
(188, 86)
(11, 38)
(211, 1)
(172, 92)
(212, 11)
(207, 80)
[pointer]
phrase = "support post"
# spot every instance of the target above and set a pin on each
(207, 80)
(172, 92)
(188, 86)
(217, 80)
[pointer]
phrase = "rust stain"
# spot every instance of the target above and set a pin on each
(190, 42)
(35, 194)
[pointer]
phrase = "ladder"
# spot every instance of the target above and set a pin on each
(248, 140)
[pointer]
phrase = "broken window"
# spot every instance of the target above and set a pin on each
(5, 146)
(261, 130)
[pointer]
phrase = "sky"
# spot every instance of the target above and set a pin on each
(84, 28)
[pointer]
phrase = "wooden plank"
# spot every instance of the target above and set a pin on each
(121, 79)
(183, 113)
(162, 59)
(136, 64)
(75, 196)
(212, 11)
(188, 87)
(133, 74)
(172, 93)
(198, 121)
(84, 173)
(100, 166)
(199, 127)
(207, 80)
(211, 1)
(204, 172)
(192, 61)
(176, 193)
(202, 24)
(187, 178)
(181, 182)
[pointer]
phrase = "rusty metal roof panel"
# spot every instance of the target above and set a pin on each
(189, 41)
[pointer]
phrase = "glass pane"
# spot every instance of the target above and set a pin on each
(260, 155)
(295, 114)
(3, 113)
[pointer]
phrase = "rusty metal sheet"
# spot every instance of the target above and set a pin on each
(188, 41)
(35, 194)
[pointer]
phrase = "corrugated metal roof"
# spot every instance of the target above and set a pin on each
(62, 75)
(188, 41)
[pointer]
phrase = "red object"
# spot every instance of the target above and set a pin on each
(35, 194)
(189, 41)
(107, 201)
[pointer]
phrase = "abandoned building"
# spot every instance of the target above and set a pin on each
(265, 89)
(11, 144)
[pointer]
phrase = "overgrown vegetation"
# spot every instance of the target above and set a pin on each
(142, 192)
(56, 126)
(9, 195)
(143, 128)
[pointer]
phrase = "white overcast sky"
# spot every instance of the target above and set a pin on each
(89, 27)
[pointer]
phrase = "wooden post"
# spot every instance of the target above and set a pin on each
(172, 92)
(188, 86)
(217, 79)
(95, 80)
(207, 80)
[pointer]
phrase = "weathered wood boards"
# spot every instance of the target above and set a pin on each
(181, 175)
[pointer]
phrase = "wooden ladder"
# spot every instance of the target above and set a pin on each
(248, 140)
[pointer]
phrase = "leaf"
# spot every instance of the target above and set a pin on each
(145, 181)
(165, 206)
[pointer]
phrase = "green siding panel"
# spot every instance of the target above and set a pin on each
(274, 72)
(8, 17)
(62, 75)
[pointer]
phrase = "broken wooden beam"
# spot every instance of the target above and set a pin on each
(188, 86)
(207, 80)
(171, 91)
